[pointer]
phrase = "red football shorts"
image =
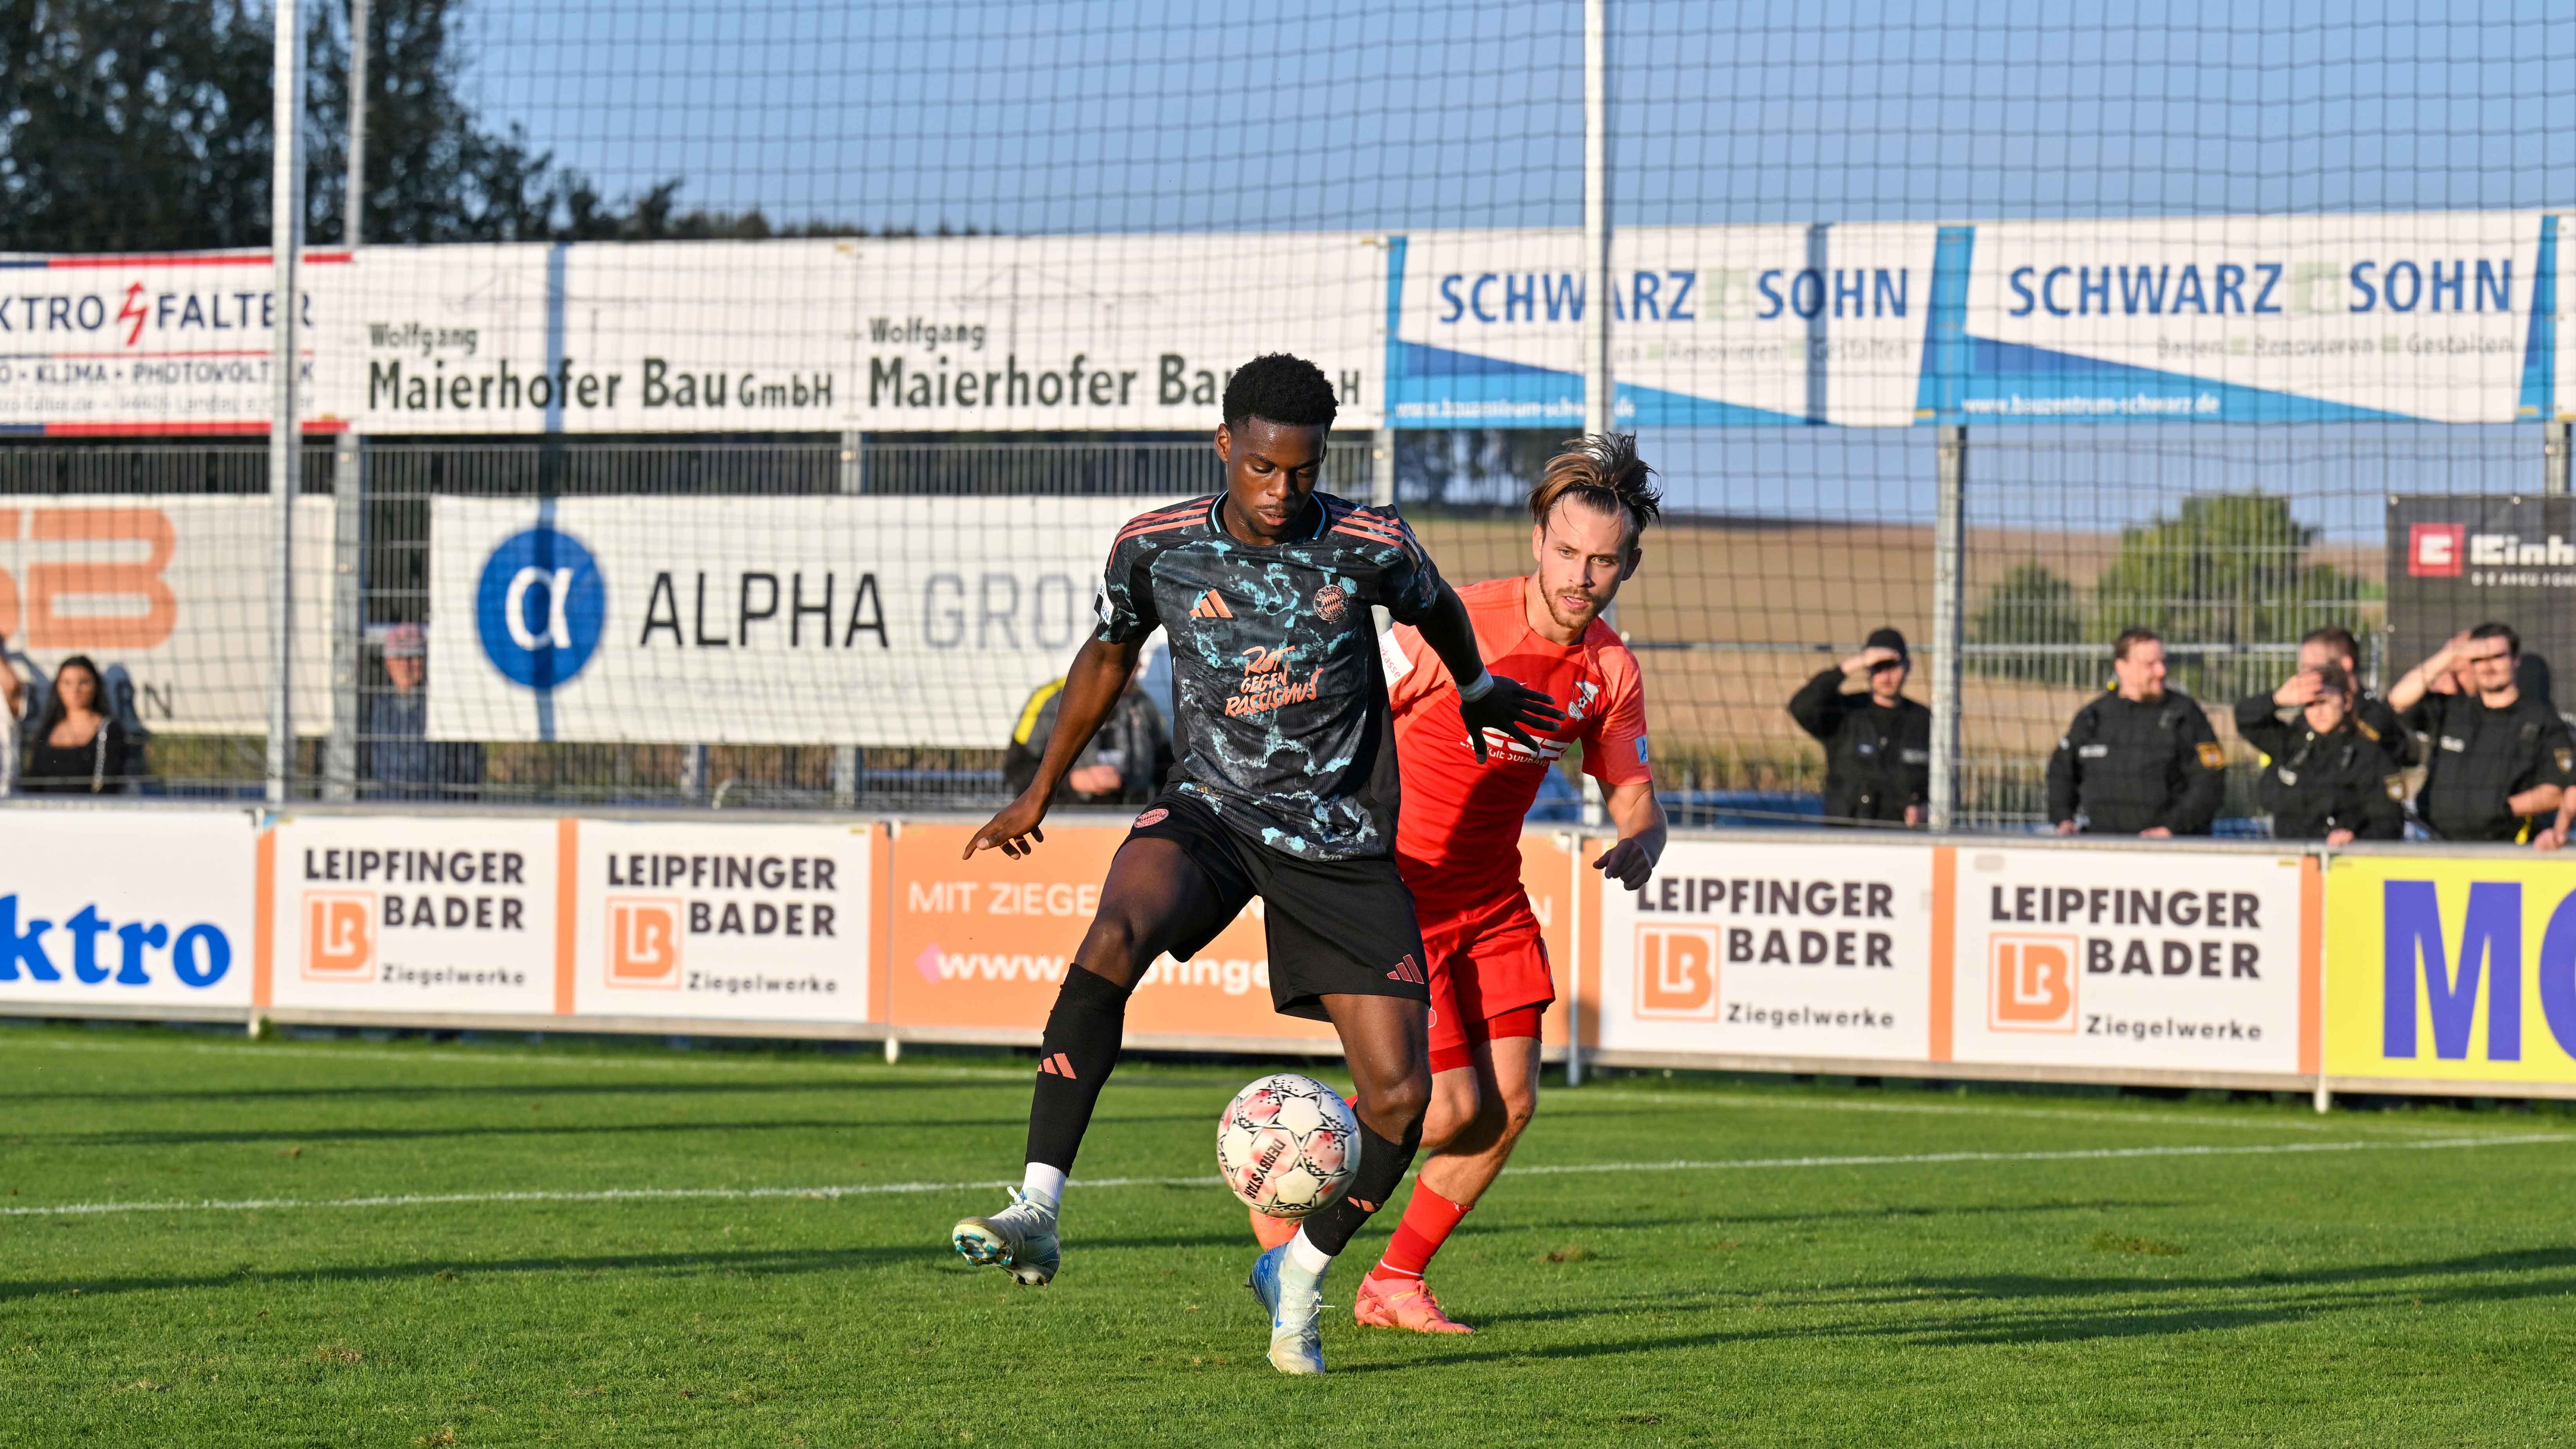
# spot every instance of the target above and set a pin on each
(1489, 977)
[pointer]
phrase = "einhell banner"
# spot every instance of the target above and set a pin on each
(723, 922)
(2454, 969)
(2457, 561)
(1789, 950)
(116, 909)
(101, 346)
(854, 621)
(152, 589)
(2162, 960)
(976, 333)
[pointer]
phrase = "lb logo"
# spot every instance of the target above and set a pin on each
(539, 608)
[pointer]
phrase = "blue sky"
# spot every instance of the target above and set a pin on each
(1145, 115)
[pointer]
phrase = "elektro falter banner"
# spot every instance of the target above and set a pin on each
(394, 913)
(1749, 326)
(2421, 316)
(878, 334)
(158, 344)
(805, 621)
(2146, 959)
(119, 909)
(1794, 949)
(2455, 970)
(723, 922)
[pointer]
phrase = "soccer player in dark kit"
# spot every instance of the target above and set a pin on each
(1285, 788)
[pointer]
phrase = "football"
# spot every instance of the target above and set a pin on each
(1287, 1145)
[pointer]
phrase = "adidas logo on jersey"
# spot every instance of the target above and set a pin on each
(1058, 1065)
(1210, 606)
(1408, 971)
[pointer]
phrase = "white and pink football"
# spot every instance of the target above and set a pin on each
(1287, 1145)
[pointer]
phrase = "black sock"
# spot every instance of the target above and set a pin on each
(1074, 1060)
(1382, 1166)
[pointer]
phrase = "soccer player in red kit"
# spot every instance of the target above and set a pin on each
(1458, 836)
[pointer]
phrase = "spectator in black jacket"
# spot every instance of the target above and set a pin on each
(1124, 764)
(1878, 743)
(2140, 760)
(2325, 776)
(2499, 760)
(2370, 714)
(77, 747)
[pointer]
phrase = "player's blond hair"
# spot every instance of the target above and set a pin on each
(1603, 471)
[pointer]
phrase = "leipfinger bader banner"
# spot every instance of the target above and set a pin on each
(387, 914)
(848, 621)
(1796, 950)
(712, 921)
(2149, 959)
(127, 910)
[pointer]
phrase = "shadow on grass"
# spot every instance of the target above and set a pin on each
(555, 1129)
(547, 1090)
(1720, 1222)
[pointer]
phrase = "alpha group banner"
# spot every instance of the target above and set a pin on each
(757, 620)
(2456, 970)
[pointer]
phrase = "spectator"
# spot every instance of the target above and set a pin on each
(2369, 713)
(13, 694)
(2140, 760)
(1878, 743)
(2326, 775)
(2498, 756)
(400, 761)
(77, 747)
(1124, 764)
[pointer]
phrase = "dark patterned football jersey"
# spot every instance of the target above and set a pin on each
(1280, 719)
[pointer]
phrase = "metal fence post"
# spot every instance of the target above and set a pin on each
(2556, 435)
(845, 758)
(348, 619)
(1600, 410)
(1949, 632)
(1382, 467)
(285, 427)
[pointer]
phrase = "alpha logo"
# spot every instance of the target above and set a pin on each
(1677, 972)
(644, 942)
(540, 607)
(1210, 606)
(2435, 550)
(1330, 602)
(2033, 984)
(1408, 971)
(339, 935)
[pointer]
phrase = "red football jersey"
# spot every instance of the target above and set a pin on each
(1458, 832)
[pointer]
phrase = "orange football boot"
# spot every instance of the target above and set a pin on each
(1402, 1303)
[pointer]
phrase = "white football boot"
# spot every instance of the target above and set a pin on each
(1020, 1237)
(1296, 1304)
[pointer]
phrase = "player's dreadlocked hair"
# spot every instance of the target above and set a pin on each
(1282, 389)
(1604, 471)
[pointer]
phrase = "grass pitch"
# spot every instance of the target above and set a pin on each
(210, 1242)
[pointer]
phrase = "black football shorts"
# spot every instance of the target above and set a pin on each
(1337, 927)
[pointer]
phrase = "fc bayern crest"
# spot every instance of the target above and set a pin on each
(1329, 603)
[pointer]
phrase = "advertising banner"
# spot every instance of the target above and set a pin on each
(1790, 950)
(2457, 561)
(392, 913)
(2452, 970)
(822, 620)
(892, 334)
(2424, 316)
(1711, 326)
(127, 908)
(2146, 959)
(983, 944)
(152, 589)
(105, 345)
(725, 922)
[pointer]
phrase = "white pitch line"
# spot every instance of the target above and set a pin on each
(323, 1052)
(1573, 1098)
(881, 1189)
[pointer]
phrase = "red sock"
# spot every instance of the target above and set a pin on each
(1428, 1220)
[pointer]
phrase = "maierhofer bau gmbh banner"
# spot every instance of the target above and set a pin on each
(113, 909)
(1788, 950)
(155, 591)
(821, 620)
(975, 333)
(2162, 960)
(2457, 970)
